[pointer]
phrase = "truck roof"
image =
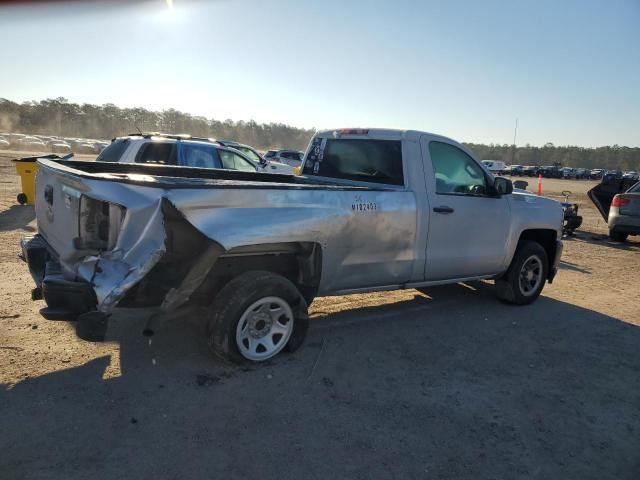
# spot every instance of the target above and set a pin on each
(380, 133)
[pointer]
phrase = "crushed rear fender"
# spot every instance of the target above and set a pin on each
(167, 236)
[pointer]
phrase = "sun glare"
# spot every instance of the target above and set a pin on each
(170, 4)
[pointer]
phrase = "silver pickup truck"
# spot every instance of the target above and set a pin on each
(372, 210)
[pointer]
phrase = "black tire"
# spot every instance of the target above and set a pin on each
(92, 326)
(235, 297)
(510, 288)
(22, 198)
(618, 236)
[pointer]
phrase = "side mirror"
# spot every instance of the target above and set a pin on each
(502, 186)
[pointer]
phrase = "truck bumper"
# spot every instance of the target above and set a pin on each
(65, 299)
(556, 261)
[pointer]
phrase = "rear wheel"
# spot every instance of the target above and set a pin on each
(617, 236)
(255, 316)
(524, 280)
(22, 198)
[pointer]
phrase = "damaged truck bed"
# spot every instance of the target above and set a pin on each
(256, 249)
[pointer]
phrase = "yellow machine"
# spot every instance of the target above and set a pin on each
(27, 168)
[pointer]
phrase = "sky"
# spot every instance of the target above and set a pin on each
(568, 70)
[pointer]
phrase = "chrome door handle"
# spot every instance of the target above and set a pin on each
(443, 209)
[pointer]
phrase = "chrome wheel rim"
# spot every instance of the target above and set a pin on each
(530, 275)
(264, 328)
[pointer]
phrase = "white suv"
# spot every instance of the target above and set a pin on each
(184, 151)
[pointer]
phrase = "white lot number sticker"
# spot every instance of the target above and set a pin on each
(316, 154)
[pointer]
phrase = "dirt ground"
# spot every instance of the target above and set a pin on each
(453, 384)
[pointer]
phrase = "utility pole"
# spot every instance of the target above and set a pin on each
(513, 149)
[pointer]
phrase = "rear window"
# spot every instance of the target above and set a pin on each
(113, 152)
(364, 160)
(162, 153)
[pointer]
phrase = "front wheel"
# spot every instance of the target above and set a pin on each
(524, 280)
(255, 316)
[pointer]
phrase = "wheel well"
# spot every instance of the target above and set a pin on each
(299, 262)
(545, 237)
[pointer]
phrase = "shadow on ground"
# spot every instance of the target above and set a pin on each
(17, 216)
(631, 244)
(454, 385)
(574, 267)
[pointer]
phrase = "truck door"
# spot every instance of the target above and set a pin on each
(467, 228)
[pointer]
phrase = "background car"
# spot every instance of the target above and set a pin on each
(515, 170)
(83, 146)
(180, 150)
(497, 167)
(529, 171)
(270, 165)
(582, 173)
(4, 143)
(59, 146)
(618, 201)
(293, 158)
(32, 143)
(100, 145)
(549, 171)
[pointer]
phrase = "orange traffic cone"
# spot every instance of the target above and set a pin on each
(540, 185)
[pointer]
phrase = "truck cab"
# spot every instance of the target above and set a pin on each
(467, 222)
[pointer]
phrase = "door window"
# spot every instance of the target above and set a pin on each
(198, 155)
(250, 153)
(156, 152)
(456, 172)
(233, 161)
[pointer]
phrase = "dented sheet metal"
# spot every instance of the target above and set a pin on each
(113, 273)
(197, 274)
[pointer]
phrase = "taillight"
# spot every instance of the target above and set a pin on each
(619, 201)
(99, 224)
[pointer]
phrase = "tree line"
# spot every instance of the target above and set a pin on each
(60, 117)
